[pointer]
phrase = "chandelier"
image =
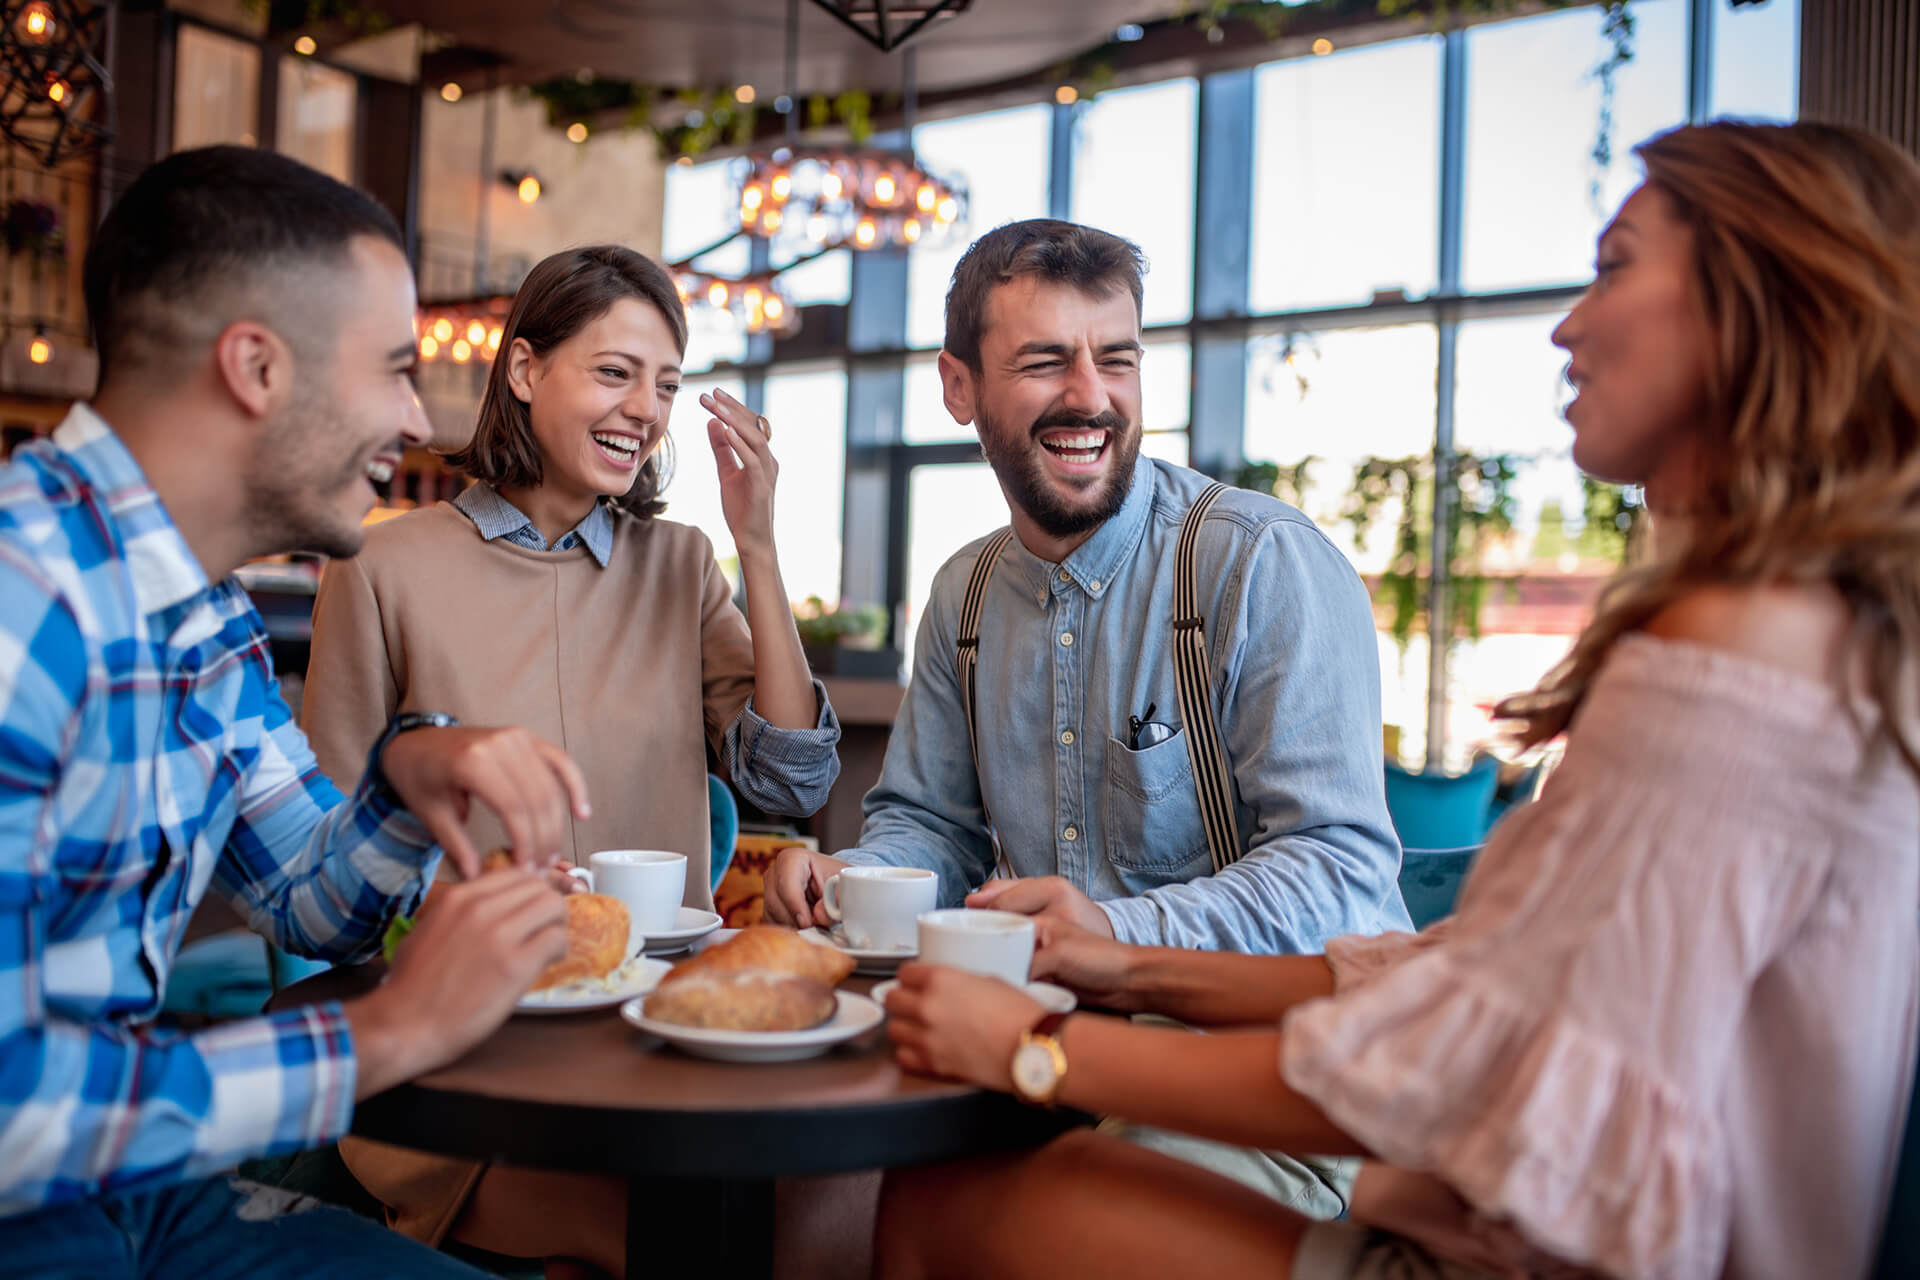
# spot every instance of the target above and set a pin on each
(887, 24)
(50, 74)
(757, 302)
(462, 332)
(867, 198)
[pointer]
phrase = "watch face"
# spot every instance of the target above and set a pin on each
(1033, 1071)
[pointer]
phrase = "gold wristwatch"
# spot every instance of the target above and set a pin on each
(1039, 1063)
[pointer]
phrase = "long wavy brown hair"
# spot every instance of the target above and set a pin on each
(1807, 269)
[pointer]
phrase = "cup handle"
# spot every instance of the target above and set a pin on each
(830, 897)
(583, 875)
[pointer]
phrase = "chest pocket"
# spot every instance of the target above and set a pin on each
(1153, 829)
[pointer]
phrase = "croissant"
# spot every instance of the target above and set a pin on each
(743, 1000)
(596, 941)
(772, 948)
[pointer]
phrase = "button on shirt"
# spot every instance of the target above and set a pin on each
(1068, 652)
(146, 756)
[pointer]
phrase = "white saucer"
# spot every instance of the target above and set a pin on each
(855, 1016)
(1056, 999)
(874, 962)
(634, 978)
(693, 924)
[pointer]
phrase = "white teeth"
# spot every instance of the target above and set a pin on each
(1084, 447)
(379, 471)
(624, 446)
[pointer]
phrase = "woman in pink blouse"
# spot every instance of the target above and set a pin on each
(1670, 1030)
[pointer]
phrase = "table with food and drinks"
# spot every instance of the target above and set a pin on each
(703, 1063)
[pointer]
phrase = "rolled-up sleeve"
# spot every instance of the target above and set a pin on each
(786, 771)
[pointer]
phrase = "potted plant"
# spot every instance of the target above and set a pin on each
(845, 640)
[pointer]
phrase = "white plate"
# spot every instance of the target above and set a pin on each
(1056, 999)
(634, 978)
(692, 925)
(877, 963)
(855, 1016)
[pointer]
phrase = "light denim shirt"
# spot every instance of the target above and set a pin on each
(1069, 652)
(782, 771)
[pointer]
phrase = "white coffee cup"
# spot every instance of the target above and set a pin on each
(649, 882)
(996, 943)
(878, 905)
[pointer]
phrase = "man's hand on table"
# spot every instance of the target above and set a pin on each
(1045, 898)
(1096, 968)
(797, 888)
(530, 783)
(457, 976)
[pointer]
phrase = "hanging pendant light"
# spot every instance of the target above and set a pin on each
(53, 85)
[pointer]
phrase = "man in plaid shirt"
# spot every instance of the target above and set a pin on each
(255, 327)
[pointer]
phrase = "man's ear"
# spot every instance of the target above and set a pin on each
(255, 365)
(957, 388)
(520, 370)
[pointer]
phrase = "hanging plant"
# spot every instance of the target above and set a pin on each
(1289, 484)
(1481, 511)
(33, 229)
(1616, 27)
(688, 122)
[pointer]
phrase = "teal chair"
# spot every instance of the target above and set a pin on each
(723, 818)
(230, 975)
(1438, 811)
(1430, 881)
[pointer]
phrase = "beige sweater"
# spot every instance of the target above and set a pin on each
(633, 668)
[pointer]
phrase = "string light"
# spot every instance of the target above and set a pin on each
(476, 332)
(576, 132)
(462, 351)
(451, 92)
(1322, 47)
(35, 24)
(744, 94)
(305, 46)
(1066, 95)
(443, 329)
(429, 347)
(39, 350)
(529, 189)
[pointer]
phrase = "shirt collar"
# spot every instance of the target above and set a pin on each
(164, 570)
(495, 517)
(1095, 563)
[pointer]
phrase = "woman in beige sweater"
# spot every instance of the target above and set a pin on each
(552, 595)
(1670, 1030)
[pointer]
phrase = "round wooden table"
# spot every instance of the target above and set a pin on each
(699, 1141)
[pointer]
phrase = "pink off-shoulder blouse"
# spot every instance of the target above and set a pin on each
(1670, 1030)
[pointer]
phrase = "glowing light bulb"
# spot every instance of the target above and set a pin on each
(752, 197)
(443, 329)
(782, 186)
(948, 210)
(925, 198)
(462, 351)
(910, 232)
(743, 94)
(717, 293)
(35, 23)
(305, 46)
(576, 132)
(680, 286)
(429, 347)
(775, 309)
(1066, 95)
(529, 189)
(57, 91)
(1322, 47)
(884, 188)
(866, 233)
(831, 186)
(450, 92)
(39, 350)
(755, 297)
(772, 222)
(493, 338)
(476, 333)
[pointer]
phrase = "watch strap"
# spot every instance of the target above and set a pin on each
(402, 723)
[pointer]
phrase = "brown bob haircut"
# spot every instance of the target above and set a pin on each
(561, 296)
(1092, 261)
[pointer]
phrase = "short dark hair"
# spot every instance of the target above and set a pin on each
(561, 296)
(204, 225)
(1090, 260)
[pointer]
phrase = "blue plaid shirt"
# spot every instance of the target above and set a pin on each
(146, 756)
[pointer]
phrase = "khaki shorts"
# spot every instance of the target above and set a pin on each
(1312, 1186)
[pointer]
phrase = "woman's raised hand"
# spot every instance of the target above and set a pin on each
(748, 470)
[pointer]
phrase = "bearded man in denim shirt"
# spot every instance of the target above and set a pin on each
(1083, 763)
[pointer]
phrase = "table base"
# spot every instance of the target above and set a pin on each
(699, 1226)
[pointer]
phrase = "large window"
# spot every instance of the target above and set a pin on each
(1756, 61)
(1120, 140)
(1002, 157)
(693, 493)
(1346, 188)
(216, 90)
(316, 116)
(808, 408)
(1535, 196)
(700, 204)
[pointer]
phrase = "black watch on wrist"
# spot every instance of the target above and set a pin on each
(398, 725)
